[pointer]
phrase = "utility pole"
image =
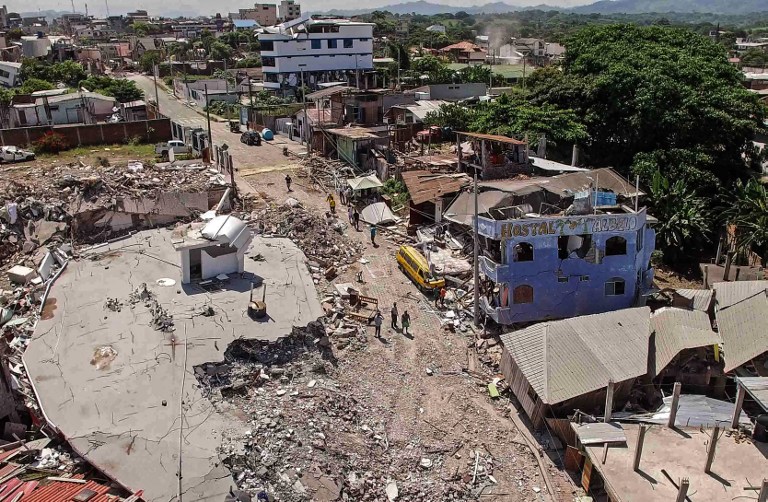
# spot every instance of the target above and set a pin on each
(250, 97)
(155, 71)
(208, 119)
(476, 271)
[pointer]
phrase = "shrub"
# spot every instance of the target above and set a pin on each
(51, 142)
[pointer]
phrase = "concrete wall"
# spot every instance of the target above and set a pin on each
(150, 131)
(215, 265)
(572, 286)
(455, 92)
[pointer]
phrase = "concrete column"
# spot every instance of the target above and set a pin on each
(185, 272)
(639, 447)
(673, 407)
(682, 493)
(712, 447)
(763, 496)
(79, 141)
(608, 402)
(740, 392)
(101, 130)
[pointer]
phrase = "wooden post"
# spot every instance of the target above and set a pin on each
(605, 452)
(639, 447)
(682, 493)
(740, 392)
(608, 402)
(673, 407)
(763, 496)
(727, 268)
(711, 452)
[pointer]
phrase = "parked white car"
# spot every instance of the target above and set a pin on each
(14, 154)
(176, 145)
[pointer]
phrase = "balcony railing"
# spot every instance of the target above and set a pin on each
(491, 269)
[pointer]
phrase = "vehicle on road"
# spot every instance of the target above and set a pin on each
(411, 262)
(251, 138)
(234, 126)
(15, 154)
(176, 145)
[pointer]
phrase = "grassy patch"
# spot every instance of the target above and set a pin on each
(118, 152)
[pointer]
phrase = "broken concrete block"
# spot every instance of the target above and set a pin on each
(20, 274)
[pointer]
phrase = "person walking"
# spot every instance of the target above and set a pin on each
(348, 193)
(443, 292)
(288, 181)
(331, 203)
(377, 323)
(349, 212)
(342, 199)
(373, 235)
(393, 312)
(356, 219)
(405, 322)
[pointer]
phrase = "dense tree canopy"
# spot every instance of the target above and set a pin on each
(655, 98)
(67, 72)
(120, 89)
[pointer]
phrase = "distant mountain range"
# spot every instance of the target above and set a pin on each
(601, 7)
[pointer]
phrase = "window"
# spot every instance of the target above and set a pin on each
(616, 245)
(583, 278)
(315, 44)
(4, 74)
(332, 43)
(614, 287)
(523, 252)
(568, 245)
(522, 294)
(348, 43)
(267, 45)
(639, 239)
(562, 279)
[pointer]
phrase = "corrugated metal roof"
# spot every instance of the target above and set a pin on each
(569, 358)
(330, 91)
(604, 178)
(227, 229)
(692, 411)
(757, 387)
(676, 330)
(551, 165)
(492, 137)
(728, 293)
(421, 108)
(742, 326)
(425, 186)
(701, 299)
(463, 208)
(62, 491)
(599, 433)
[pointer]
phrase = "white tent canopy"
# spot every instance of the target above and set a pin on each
(364, 182)
(378, 214)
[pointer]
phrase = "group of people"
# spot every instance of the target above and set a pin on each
(405, 320)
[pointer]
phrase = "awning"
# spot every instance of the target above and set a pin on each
(378, 214)
(364, 182)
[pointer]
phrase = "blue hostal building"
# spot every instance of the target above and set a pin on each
(535, 268)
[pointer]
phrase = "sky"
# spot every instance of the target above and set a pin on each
(206, 7)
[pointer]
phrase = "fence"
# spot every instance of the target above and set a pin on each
(147, 131)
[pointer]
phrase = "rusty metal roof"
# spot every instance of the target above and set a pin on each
(676, 330)
(568, 358)
(492, 137)
(425, 186)
(63, 491)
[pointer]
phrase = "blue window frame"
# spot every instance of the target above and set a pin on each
(315, 44)
(332, 43)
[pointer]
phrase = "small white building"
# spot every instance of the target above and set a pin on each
(9, 73)
(322, 50)
(436, 28)
(218, 248)
(75, 108)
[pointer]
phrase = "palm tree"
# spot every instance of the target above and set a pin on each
(749, 213)
(685, 222)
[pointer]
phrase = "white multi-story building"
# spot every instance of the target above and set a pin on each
(320, 50)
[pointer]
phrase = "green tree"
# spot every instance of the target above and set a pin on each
(249, 62)
(120, 89)
(649, 89)
(140, 29)
(35, 84)
(754, 57)
(69, 72)
(220, 52)
(685, 221)
(148, 60)
(452, 115)
(748, 210)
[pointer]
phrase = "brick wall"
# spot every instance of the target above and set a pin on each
(149, 131)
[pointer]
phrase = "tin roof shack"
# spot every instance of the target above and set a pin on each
(430, 193)
(353, 145)
(562, 260)
(214, 249)
(671, 458)
(683, 349)
(558, 366)
(110, 375)
(348, 105)
(741, 309)
(492, 156)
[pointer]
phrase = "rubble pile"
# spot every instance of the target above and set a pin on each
(324, 173)
(321, 239)
(161, 319)
(309, 438)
